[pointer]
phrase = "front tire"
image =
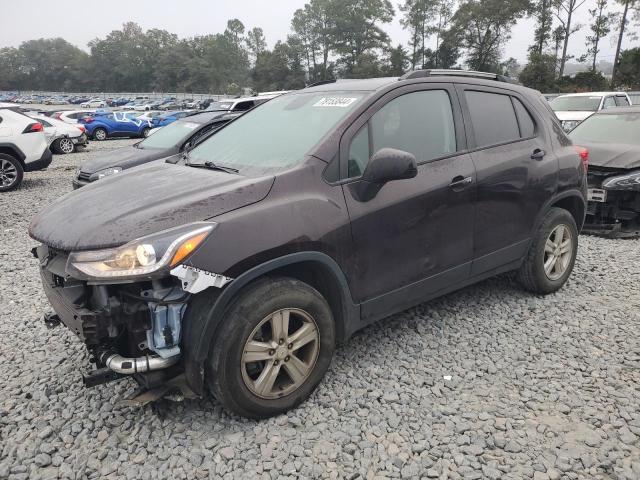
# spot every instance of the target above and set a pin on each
(552, 253)
(100, 134)
(272, 349)
(11, 172)
(145, 132)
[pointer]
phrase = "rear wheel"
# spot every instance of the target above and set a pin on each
(63, 146)
(552, 253)
(11, 172)
(273, 348)
(100, 134)
(145, 132)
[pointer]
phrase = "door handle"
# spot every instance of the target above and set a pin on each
(538, 154)
(459, 182)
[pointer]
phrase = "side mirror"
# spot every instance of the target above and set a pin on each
(389, 164)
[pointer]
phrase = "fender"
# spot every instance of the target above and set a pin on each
(200, 329)
(16, 150)
(570, 193)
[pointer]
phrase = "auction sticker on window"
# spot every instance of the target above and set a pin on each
(335, 102)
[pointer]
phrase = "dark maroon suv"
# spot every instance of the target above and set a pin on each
(239, 268)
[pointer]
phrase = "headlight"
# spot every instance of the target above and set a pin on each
(629, 181)
(569, 125)
(143, 257)
(105, 173)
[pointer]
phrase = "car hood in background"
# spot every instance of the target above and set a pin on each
(155, 197)
(125, 157)
(612, 155)
(579, 116)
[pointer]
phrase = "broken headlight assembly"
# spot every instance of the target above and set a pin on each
(145, 257)
(629, 181)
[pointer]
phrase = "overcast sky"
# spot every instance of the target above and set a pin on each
(80, 22)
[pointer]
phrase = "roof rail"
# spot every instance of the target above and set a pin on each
(321, 82)
(433, 72)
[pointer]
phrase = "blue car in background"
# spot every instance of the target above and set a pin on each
(169, 117)
(105, 125)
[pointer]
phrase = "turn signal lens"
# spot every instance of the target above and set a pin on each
(187, 248)
(584, 156)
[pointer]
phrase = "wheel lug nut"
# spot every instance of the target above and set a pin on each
(281, 341)
(276, 362)
(286, 359)
(290, 346)
(272, 352)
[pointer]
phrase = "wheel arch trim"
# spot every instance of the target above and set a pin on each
(197, 338)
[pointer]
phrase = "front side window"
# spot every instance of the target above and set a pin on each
(420, 123)
(609, 102)
(242, 106)
(169, 136)
(279, 133)
(493, 118)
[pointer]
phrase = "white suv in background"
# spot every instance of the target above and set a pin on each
(573, 108)
(23, 148)
(72, 116)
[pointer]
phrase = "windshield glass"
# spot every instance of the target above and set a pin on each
(278, 133)
(575, 104)
(220, 106)
(610, 128)
(170, 135)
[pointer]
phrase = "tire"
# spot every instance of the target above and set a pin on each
(100, 134)
(63, 146)
(532, 274)
(11, 172)
(233, 379)
(145, 132)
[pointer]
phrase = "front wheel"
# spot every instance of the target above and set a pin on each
(273, 348)
(552, 253)
(145, 132)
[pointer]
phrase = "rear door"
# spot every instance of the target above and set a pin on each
(516, 174)
(412, 237)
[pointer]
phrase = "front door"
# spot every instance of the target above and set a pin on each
(412, 238)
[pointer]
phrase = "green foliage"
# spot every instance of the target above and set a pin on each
(600, 28)
(540, 73)
(629, 68)
(588, 81)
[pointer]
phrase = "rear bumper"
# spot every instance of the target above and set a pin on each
(81, 141)
(40, 164)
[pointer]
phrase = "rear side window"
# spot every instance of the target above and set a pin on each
(527, 125)
(242, 106)
(609, 102)
(622, 101)
(493, 118)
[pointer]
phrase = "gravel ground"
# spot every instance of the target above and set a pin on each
(489, 382)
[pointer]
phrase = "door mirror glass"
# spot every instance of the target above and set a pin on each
(389, 164)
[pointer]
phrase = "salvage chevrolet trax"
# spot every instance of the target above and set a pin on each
(236, 270)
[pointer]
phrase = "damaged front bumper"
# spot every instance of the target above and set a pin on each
(128, 328)
(612, 211)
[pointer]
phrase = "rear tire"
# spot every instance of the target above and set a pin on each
(63, 146)
(145, 132)
(100, 134)
(11, 172)
(552, 253)
(296, 366)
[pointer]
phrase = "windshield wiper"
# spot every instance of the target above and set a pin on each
(209, 165)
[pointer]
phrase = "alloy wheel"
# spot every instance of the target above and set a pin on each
(8, 173)
(66, 145)
(100, 134)
(558, 250)
(280, 353)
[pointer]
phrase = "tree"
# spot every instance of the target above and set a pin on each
(314, 25)
(624, 18)
(398, 61)
(483, 27)
(600, 28)
(416, 15)
(256, 42)
(540, 72)
(629, 68)
(542, 11)
(444, 12)
(564, 14)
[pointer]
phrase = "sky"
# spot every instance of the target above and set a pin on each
(79, 23)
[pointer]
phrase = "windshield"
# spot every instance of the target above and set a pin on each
(220, 106)
(610, 128)
(278, 133)
(169, 136)
(575, 104)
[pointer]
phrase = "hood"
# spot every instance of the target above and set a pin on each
(579, 116)
(154, 197)
(612, 155)
(125, 157)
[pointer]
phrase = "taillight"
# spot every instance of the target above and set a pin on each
(584, 156)
(33, 127)
(81, 128)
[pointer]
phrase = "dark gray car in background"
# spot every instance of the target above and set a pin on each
(175, 138)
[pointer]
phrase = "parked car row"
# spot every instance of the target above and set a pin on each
(573, 108)
(142, 103)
